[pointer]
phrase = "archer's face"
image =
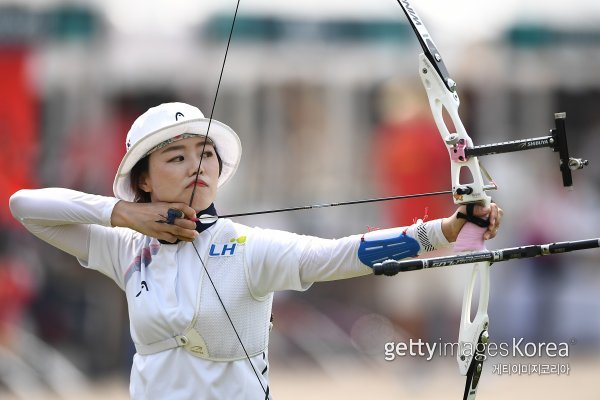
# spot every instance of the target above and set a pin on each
(172, 173)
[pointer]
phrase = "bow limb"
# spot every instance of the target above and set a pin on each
(473, 334)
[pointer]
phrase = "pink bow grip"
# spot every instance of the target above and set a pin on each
(470, 238)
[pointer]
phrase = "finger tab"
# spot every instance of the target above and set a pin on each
(172, 214)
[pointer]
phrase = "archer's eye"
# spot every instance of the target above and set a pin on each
(207, 154)
(176, 159)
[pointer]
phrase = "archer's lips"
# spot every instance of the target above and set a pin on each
(199, 182)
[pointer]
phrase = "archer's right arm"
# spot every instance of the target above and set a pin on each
(62, 217)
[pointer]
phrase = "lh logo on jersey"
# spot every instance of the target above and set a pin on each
(226, 249)
(218, 250)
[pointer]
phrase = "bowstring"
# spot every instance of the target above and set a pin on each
(192, 199)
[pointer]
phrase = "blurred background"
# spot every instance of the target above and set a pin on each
(326, 99)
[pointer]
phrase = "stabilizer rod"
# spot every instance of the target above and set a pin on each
(392, 267)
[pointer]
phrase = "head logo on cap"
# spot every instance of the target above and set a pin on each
(177, 115)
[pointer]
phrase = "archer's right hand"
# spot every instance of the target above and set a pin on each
(150, 219)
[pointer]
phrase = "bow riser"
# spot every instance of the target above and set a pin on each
(440, 99)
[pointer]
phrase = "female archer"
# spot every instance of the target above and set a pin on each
(199, 288)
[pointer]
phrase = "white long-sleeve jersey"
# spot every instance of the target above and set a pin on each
(167, 292)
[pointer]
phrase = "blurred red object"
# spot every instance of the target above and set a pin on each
(409, 157)
(18, 128)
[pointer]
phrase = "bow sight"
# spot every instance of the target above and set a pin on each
(557, 141)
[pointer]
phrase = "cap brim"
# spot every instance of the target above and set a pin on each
(225, 139)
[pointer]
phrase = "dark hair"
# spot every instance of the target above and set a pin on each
(135, 176)
(141, 168)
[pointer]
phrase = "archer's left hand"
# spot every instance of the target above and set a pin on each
(452, 225)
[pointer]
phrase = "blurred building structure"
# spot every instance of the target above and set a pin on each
(304, 96)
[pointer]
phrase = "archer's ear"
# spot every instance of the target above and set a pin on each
(145, 183)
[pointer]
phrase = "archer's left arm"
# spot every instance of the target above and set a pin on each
(399, 243)
(280, 260)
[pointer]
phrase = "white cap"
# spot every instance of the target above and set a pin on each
(168, 121)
